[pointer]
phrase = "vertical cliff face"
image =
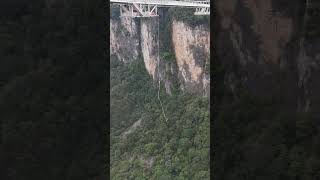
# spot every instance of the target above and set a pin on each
(192, 51)
(149, 44)
(191, 46)
(124, 39)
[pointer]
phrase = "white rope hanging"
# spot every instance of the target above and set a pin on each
(159, 82)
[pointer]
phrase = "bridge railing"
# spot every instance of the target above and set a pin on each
(163, 2)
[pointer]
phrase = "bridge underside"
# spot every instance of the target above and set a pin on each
(136, 9)
(202, 11)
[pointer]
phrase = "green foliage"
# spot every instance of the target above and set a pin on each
(151, 148)
(133, 96)
(167, 56)
(158, 149)
(181, 14)
(187, 15)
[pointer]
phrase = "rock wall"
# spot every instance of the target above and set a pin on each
(191, 46)
(124, 39)
(192, 52)
(149, 45)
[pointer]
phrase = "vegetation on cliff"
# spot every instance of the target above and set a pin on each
(176, 149)
(143, 144)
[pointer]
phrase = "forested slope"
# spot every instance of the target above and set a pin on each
(143, 144)
(176, 149)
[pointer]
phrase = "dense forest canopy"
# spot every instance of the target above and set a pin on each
(176, 149)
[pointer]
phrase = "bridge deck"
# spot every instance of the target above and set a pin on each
(205, 4)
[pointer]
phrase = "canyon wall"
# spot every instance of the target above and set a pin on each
(124, 39)
(192, 51)
(189, 70)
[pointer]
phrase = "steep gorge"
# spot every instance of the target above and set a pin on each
(145, 143)
(188, 63)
